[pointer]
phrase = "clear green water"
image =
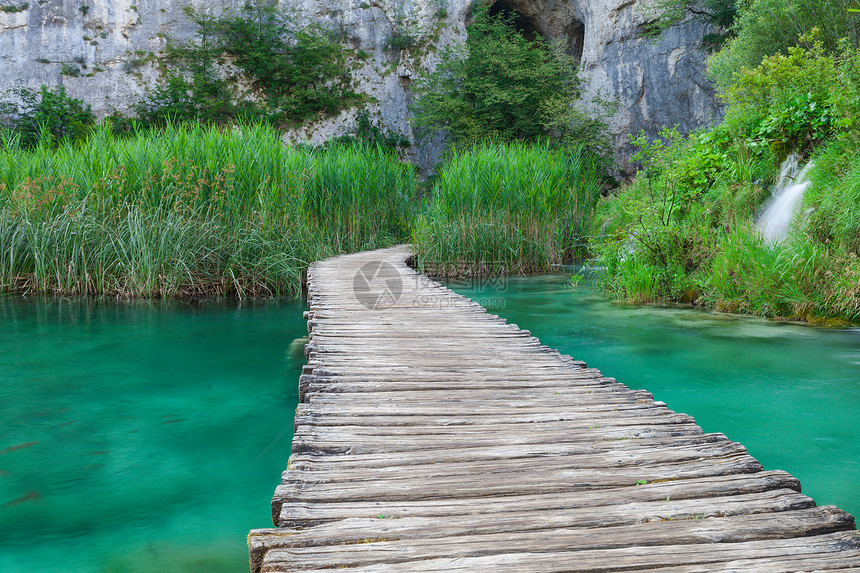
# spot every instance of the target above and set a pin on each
(160, 431)
(789, 393)
(161, 428)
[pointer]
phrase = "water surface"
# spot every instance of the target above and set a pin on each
(149, 436)
(789, 393)
(141, 436)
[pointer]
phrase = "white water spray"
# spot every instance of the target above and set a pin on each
(787, 193)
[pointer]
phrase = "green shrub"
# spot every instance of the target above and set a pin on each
(684, 230)
(301, 70)
(368, 132)
(788, 100)
(11, 8)
(768, 27)
(668, 13)
(45, 115)
(294, 72)
(499, 86)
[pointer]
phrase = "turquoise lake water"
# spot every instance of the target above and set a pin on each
(789, 393)
(141, 436)
(149, 436)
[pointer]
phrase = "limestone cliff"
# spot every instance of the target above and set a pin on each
(106, 51)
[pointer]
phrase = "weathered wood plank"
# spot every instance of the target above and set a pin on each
(625, 451)
(542, 517)
(483, 468)
(580, 433)
(812, 548)
(510, 482)
(379, 542)
(303, 513)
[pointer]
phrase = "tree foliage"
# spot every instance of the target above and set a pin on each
(500, 86)
(767, 27)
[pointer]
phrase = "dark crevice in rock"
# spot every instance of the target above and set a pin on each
(532, 19)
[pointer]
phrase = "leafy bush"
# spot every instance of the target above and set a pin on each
(404, 35)
(668, 13)
(11, 8)
(72, 70)
(500, 86)
(36, 116)
(300, 70)
(789, 97)
(367, 132)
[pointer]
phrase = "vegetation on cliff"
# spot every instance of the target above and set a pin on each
(684, 230)
(188, 209)
(257, 62)
(48, 114)
(131, 210)
(499, 86)
(525, 164)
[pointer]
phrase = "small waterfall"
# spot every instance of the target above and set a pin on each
(787, 193)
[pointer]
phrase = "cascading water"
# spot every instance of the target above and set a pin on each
(787, 194)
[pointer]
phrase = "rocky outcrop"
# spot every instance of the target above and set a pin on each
(656, 82)
(106, 52)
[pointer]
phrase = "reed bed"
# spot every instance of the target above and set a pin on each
(508, 208)
(201, 211)
(190, 210)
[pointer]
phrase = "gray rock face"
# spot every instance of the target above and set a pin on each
(113, 46)
(656, 83)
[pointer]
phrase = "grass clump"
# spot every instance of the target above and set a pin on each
(190, 211)
(507, 208)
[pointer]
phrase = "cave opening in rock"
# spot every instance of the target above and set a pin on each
(575, 34)
(560, 24)
(522, 23)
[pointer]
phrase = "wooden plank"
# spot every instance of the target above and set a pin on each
(302, 513)
(624, 451)
(510, 482)
(306, 443)
(352, 545)
(538, 518)
(804, 550)
(623, 461)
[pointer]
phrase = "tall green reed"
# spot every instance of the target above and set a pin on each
(505, 208)
(190, 210)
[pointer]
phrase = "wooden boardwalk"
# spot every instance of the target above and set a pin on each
(433, 436)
